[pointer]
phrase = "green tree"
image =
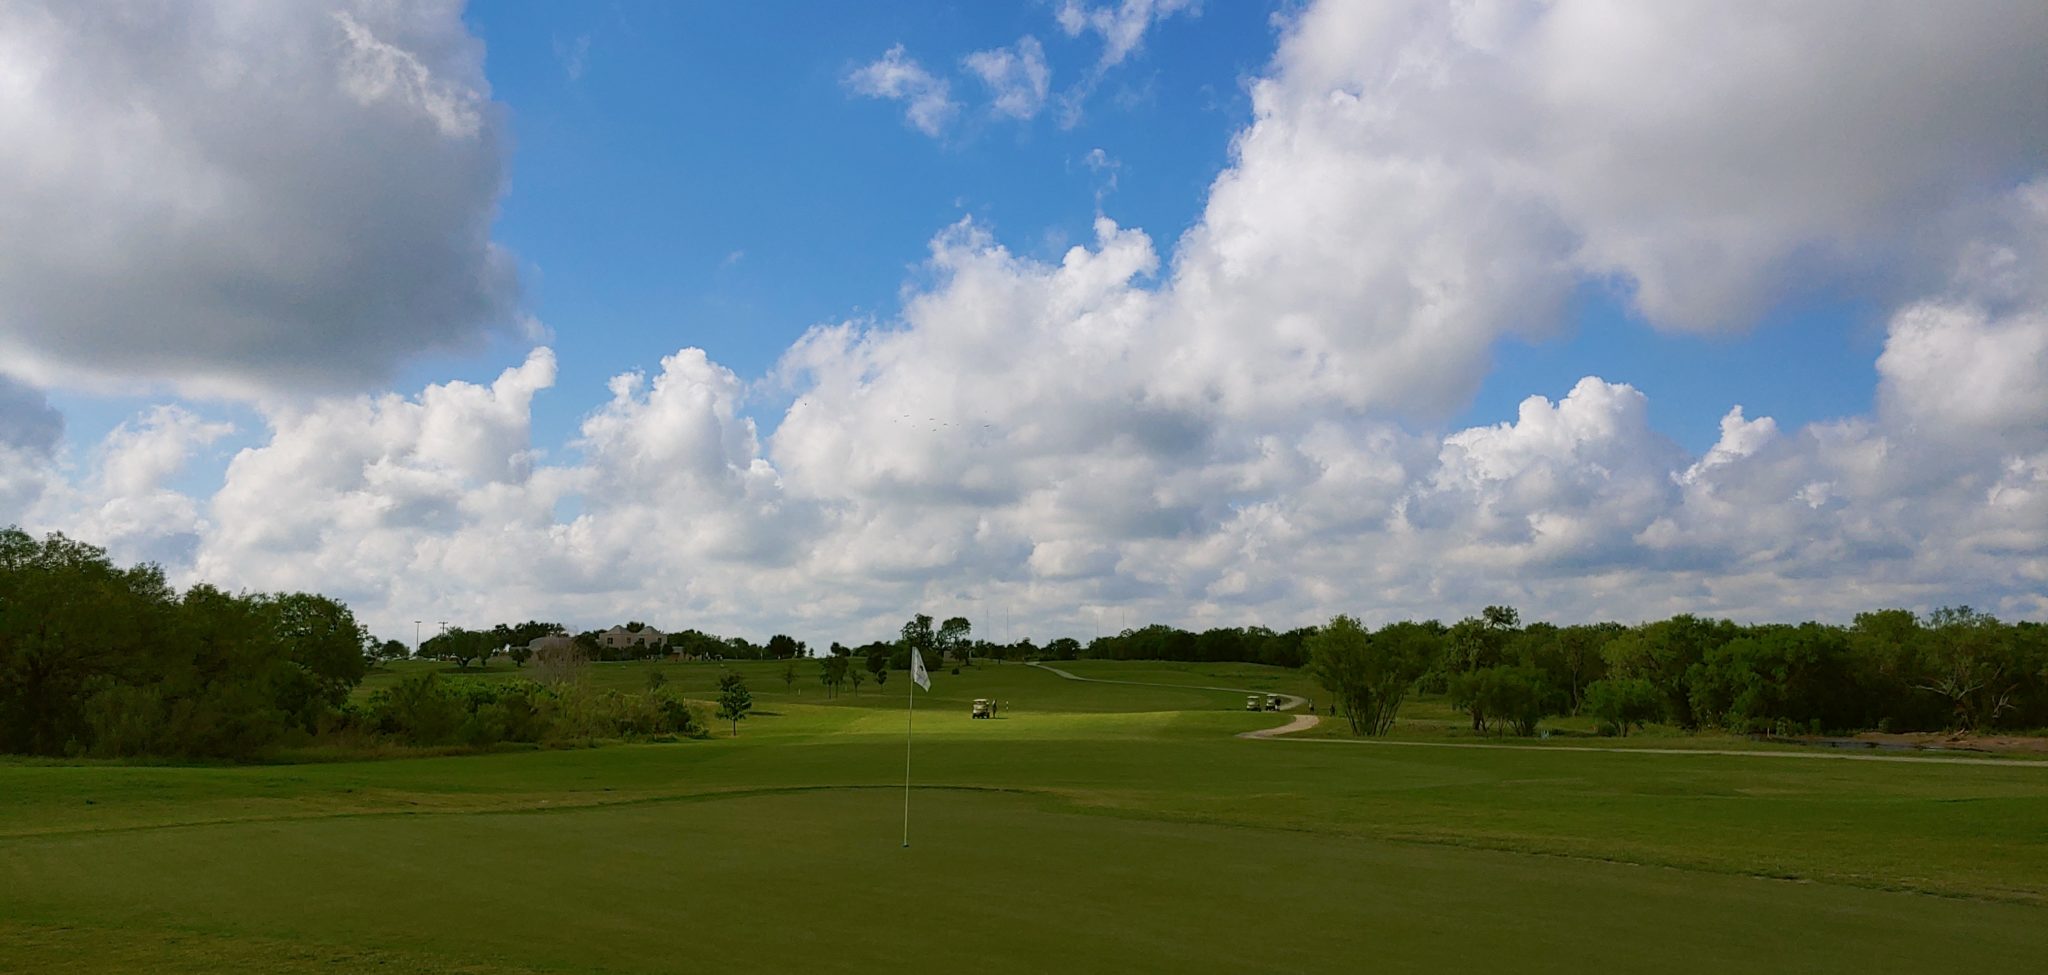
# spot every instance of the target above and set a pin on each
(1621, 703)
(391, 650)
(917, 634)
(734, 700)
(832, 673)
(789, 676)
(323, 641)
(69, 619)
(1663, 653)
(856, 675)
(1579, 661)
(1369, 674)
(1968, 659)
(952, 638)
(1508, 697)
(1474, 644)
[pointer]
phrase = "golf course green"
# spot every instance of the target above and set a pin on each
(1091, 827)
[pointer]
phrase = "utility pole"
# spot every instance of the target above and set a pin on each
(415, 638)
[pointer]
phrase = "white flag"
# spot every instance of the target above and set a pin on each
(917, 672)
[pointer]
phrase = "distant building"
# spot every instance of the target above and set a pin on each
(618, 637)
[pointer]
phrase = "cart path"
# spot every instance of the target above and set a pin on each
(1288, 702)
(1301, 722)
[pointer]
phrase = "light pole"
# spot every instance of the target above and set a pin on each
(415, 638)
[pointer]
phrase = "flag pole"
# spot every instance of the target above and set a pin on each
(910, 687)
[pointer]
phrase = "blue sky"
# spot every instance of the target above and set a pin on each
(707, 179)
(422, 252)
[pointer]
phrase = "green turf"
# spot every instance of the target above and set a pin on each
(1070, 834)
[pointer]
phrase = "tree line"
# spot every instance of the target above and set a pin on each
(101, 660)
(1888, 670)
(96, 659)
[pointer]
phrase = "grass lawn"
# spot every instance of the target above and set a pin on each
(1094, 827)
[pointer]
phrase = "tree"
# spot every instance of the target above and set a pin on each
(101, 660)
(789, 676)
(1369, 674)
(1474, 644)
(1502, 696)
(734, 700)
(832, 672)
(1969, 661)
(952, 638)
(322, 638)
(917, 636)
(459, 645)
(393, 650)
(783, 645)
(1578, 654)
(1619, 703)
(1662, 653)
(519, 654)
(882, 675)
(857, 675)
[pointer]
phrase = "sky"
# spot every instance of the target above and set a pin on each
(1067, 315)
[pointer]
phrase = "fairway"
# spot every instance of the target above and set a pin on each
(1069, 834)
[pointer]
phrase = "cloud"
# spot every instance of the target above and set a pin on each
(1973, 362)
(27, 420)
(574, 55)
(929, 106)
(1121, 26)
(246, 198)
(1708, 160)
(1016, 76)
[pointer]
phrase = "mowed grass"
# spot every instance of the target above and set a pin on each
(1069, 834)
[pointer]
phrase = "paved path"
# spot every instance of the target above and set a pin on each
(1301, 722)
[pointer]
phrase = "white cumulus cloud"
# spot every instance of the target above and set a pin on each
(244, 197)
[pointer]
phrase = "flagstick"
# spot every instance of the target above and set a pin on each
(911, 686)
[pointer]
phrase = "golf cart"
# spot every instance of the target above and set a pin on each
(984, 708)
(1272, 702)
(1252, 703)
